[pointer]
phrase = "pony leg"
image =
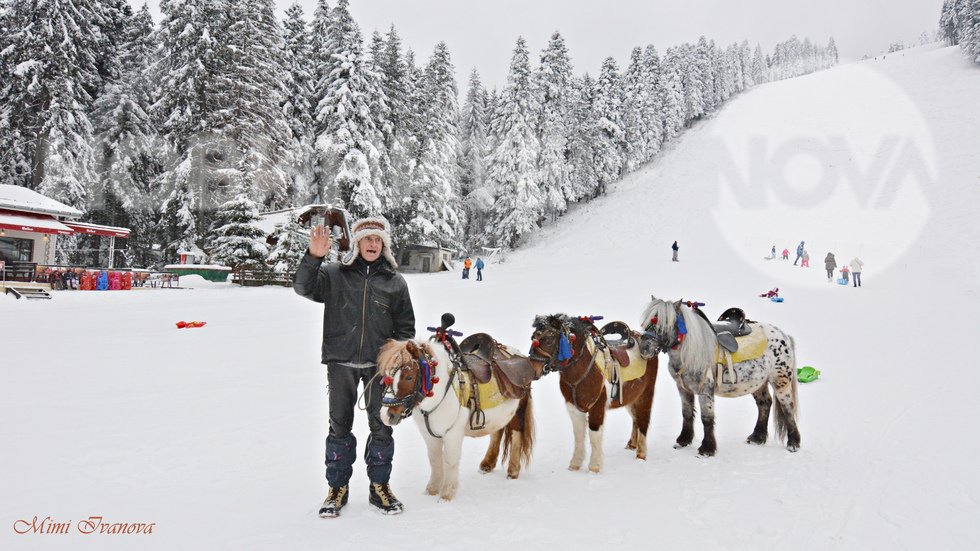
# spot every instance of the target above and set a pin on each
(634, 434)
(764, 401)
(493, 451)
(514, 463)
(687, 412)
(452, 449)
(597, 417)
(787, 412)
(641, 421)
(434, 448)
(707, 401)
(579, 423)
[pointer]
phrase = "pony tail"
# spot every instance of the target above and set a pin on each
(525, 412)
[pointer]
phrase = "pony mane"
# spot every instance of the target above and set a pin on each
(551, 321)
(395, 354)
(699, 344)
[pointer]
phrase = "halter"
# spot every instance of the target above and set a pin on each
(680, 329)
(425, 364)
(565, 352)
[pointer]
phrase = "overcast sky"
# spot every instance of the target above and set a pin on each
(482, 34)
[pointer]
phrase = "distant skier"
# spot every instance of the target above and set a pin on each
(479, 269)
(799, 253)
(675, 248)
(831, 264)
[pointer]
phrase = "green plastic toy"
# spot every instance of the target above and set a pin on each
(807, 374)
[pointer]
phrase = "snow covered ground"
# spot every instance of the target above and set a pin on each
(215, 435)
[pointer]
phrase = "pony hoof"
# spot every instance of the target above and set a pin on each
(445, 499)
(679, 446)
(793, 448)
(643, 457)
(594, 471)
(755, 441)
(511, 476)
(432, 492)
(574, 467)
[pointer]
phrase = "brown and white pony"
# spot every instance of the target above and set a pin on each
(576, 350)
(421, 377)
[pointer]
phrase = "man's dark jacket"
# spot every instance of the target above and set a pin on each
(364, 305)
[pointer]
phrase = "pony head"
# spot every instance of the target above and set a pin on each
(660, 329)
(407, 368)
(551, 342)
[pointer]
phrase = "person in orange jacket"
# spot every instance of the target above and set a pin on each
(466, 268)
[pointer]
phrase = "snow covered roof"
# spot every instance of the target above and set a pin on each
(23, 199)
(268, 221)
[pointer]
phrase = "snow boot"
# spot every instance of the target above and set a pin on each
(336, 499)
(382, 498)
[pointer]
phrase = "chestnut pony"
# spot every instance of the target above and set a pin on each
(591, 380)
(422, 377)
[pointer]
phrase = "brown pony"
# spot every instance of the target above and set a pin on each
(592, 379)
(423, 378)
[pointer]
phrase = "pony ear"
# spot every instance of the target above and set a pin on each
(411, 347)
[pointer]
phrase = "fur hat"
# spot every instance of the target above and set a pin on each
(371, 226)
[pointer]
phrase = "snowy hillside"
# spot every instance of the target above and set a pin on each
(216, 434)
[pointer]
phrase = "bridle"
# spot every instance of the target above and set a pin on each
(423, 368)
(564, 353)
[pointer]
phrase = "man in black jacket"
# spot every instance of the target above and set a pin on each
(365, 302)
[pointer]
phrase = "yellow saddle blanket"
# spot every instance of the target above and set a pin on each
(490, 395)
(609, 366)
(750, 347)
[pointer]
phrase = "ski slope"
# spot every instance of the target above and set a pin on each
(215, 435)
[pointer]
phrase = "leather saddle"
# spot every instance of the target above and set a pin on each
(731, 324)
(483, 357)
(620, 339)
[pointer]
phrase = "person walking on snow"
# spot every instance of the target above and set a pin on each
(785, 254)
(856, 266)
(466, 268)
(799, 253)
(479, 269)
(773, 252)
(831, 264)
(806, 259)
(365, 303)
(675, 248)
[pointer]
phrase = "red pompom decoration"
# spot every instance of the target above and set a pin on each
(435, 380)
(653, 319)
(429, 394)
(535, 343)
(573, 337)
(388, 381)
